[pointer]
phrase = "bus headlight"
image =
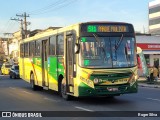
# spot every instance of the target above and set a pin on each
(133, 79)
(95, 80)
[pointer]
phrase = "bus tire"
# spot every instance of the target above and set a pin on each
(60, 78)
(13, 76)
(63, 90)
(33, 86)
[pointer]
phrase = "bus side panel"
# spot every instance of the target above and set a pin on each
(60, 64)
(27, 68)
(21, 68)
(52, 70)
(37, 70)
(56, 69)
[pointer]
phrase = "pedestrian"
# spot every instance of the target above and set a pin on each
(155, 73)
(151, 75)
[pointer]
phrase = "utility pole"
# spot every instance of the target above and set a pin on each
(25, 22)
(22, 31)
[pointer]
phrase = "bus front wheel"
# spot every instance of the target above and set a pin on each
(64, 90)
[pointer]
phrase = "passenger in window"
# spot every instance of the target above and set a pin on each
(86, 49)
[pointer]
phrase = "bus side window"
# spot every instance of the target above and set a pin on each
(60, 44)
(52, 45)
(26, 50)
(22, 50)
(37, 53)
(32, 48)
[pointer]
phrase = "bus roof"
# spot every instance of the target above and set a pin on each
(105, 22)
(51, 31)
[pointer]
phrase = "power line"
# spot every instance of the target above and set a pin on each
(47, 7)
(7, 27)
(60, 4)
(17, 19)
(23, 22)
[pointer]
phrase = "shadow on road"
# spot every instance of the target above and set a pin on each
(5, 81)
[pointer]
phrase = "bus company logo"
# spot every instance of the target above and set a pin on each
(6, 114)
(113, 81)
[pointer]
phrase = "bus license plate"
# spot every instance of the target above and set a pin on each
(112, 89)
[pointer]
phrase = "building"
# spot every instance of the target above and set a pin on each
(4, 45)
(3, 48)
(151, 49)
(14, 46)
(154, 17)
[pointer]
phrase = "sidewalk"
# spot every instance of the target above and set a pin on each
(142, 82)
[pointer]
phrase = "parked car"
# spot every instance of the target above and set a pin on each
(5, 68)
(14, 71)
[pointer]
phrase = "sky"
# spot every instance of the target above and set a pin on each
(60, 13)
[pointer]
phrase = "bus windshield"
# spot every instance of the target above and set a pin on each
(107, 52)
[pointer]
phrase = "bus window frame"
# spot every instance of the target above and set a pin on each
(40, 45)
(26, 44)
(58, 44)
(55, 52)
(30, 50)
(22, 50)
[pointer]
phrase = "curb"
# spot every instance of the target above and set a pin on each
(150, 86)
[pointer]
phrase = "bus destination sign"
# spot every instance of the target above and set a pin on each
(107, 28)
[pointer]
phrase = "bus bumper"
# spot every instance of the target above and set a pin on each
(110, 90)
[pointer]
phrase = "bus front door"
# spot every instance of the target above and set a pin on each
(70, 63)
(45, 82)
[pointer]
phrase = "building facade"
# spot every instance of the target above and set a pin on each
(154, 17)
(14, 46)
(151, 49)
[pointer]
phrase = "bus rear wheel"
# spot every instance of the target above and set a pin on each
(32, 82)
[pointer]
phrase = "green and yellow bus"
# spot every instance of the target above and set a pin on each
(84, 59)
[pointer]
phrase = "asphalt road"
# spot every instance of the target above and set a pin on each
(17, 95)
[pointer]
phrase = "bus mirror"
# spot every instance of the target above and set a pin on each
(76, 48)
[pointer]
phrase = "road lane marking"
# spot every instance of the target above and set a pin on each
(81, 108)
(51, 99)
(22, 91)
(153, 99)
(12, 88)
(26, 92)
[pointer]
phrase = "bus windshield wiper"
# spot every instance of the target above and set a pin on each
(96, 38)
(99, 44)
(119, 42)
